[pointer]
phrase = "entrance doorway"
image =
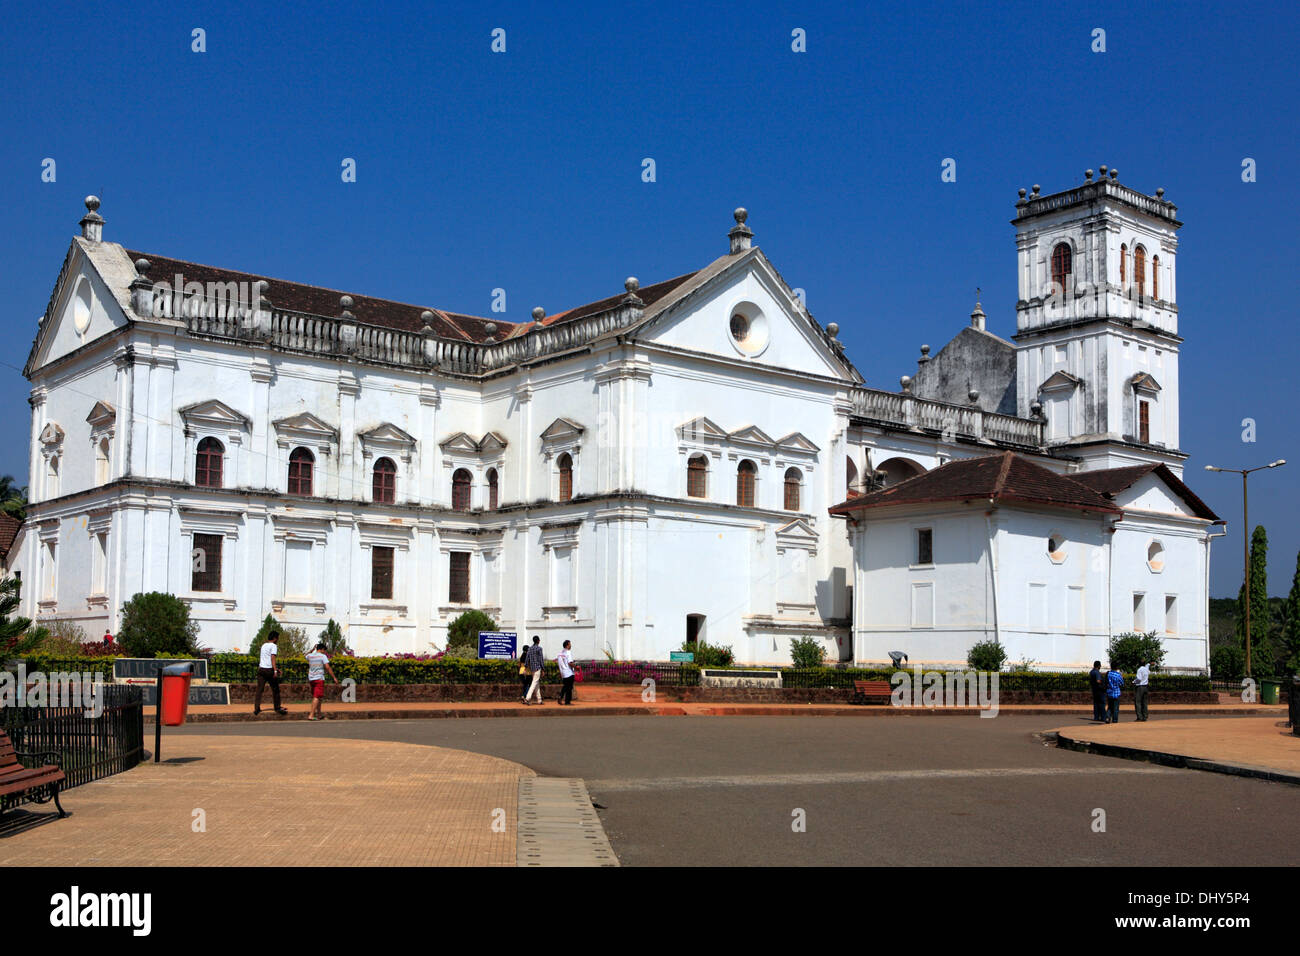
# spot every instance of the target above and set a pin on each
(694, 628)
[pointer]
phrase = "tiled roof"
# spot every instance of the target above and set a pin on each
(317, 300)
(1005, 478)
(1111, 481)
(9, 526)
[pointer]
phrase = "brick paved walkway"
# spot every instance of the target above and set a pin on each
(1260, 742)
(276, 801)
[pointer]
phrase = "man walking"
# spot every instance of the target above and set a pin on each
(1098, 688)
(1140, 687)
(1114, 681)
(317, 664)
(268, 672)
(535, 659)
(564, 660)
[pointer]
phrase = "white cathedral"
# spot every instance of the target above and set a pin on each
(693, 459)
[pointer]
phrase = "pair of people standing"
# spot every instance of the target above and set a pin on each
(530, 672)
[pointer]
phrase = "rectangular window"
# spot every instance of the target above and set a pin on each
(923, 605)
(381, 573)
(1171, 614)
(1074, 610)
(1144, 422)
(50, 577)
(924, 546)
(99, 564)
(297, 569)
(1139, 612)
(1036, 610)
(205, 563)
(458, 580)
(562, 577)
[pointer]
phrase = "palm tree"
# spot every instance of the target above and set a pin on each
(13, 498)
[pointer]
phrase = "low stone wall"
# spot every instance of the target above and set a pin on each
(385, 693)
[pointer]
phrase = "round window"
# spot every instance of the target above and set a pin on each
(749, 329)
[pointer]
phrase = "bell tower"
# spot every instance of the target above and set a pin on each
(1097, 321)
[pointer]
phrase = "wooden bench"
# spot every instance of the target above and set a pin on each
(18, 779)
(871, 692)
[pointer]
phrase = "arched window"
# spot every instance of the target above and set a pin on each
(746, 476)
(697, 477)
(1123, 267)
(1061, 266)
(1139, 270)
(566, 476)
(851, 478)
(793, 479)
(101, 462)
(460, 485)
(208, 464)
(1155, 277)
(383, 486)
(492, 488)
(300, 466)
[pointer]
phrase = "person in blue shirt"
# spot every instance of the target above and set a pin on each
(1114, 681)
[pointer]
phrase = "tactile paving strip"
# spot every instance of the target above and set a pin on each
(558, 826)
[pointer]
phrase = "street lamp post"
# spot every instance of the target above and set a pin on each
(1245, 530)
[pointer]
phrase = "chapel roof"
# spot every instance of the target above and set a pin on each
(1006, 478)
(1111, 481)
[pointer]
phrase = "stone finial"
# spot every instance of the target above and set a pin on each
(142, 289)
(538, 314)
(426, 320)
(977, 317)
(1036, 410)
(906, 383)
(925, 355)
(833, 330)
(632, 284)
(1087, 175)
(973, 395)
(142, 266)
(490, 328)
(1160, 192)
(1022, 193)
(92, 224)
(1102, 170)
(1114, 173)
(1035, 188)
(345, 303)
(740, 234)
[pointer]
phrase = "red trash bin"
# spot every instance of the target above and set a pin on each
(176, 694)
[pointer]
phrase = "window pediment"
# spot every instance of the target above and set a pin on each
(51, 435)
(386, 438)
(1143, 382)
(562, 430)
(305, 429)
(798, 534)
(1060, 382)
(751, 435)
(102, 417)
(700, 429)
(796, 442)
(215, 415)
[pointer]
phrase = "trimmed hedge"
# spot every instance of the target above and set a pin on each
(242, 669)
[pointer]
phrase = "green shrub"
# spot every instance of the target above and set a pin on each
(987, 656)
(1129, 651)
(156, 623)
(293, 640)
(463, 632)
(807, 652)
(60, 638)
(15, 633)
(333, 639)
(1227, 661)
(709, 655)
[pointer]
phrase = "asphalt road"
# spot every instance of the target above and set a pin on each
(952, 791)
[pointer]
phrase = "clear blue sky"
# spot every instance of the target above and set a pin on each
(522, 170)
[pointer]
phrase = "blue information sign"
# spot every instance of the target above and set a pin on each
(497, 645)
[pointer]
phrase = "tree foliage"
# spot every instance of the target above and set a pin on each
(1127, 652)
(1262, 652)
(15, 633)
(463, 632)
(156, 623)
(333, 639)
(807, 652)
(1291, 623)
(986, 656)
